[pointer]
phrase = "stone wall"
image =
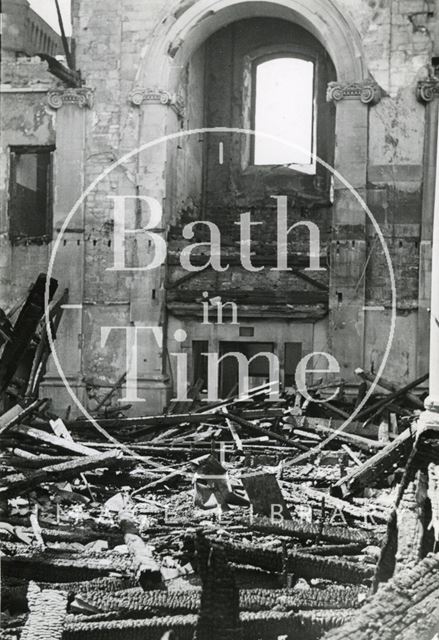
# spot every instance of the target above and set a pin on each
(147, 69)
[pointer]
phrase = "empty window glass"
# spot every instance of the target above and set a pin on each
(30, 194)
(284, 97)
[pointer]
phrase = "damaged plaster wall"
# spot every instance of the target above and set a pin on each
(26, 120)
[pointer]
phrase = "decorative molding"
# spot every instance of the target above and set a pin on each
(368, 91)
(427, 90)
(83, 97)
(140, 95)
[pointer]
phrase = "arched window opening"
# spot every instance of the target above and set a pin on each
(284, 108)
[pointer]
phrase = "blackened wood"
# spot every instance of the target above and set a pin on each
(24, 329)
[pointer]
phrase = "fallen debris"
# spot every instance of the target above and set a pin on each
(238, 519)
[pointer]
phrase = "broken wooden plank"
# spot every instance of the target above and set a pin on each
(374, 409)
(389, 386)
(250, 426)
(17, 483)
(410, 521)
(16, 414)
(365, 444)
(382, 463)
(24, 328)
(42, 351)
(237, 440)
(147, 569)
(59, 443)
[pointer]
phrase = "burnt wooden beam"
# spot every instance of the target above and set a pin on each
(404, 608)
(373, 470)
(24, 329)
(17, 414)
(389, 386)
(365, 444)
(47, 438)
(70, 77)
(17, 483)
(251, 427)
(147, 569)
(373, 410)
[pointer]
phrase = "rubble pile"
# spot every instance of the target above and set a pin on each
(244, 519)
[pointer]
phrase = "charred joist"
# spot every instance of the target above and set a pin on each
(48, 567)
(147, 569)
(151, 628)
(410, 520)
(137, 603)
(264, 625)
(47, 613)
(42, 437)
(405, 608)
(218, 616)
(382, 464)
(24, 329)
(18, 483)
(298, 563)
(306, 531)
(365, 444)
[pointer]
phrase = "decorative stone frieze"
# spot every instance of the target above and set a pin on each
(82, 97)
(139, 96)
(368, 91)
(427, 90)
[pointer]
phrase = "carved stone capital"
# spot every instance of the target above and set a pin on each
(140, 95)
(367, 91)
(427, 90)
(82, 97)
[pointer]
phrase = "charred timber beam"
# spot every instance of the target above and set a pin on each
(300, 564)
(24, 328)
(17, 483)
(67, 567)
(380, 465)
(218, 616)
(16, 414)
(389, 386)
(365, 444)
(406, 607)
(410, 521)
(305, 531)
(250, 427)
(47, 614)
(47, 438)
(147, 570)
(138, 603)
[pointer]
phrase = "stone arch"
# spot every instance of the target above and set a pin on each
(189, 24)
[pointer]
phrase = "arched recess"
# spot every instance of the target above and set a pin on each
(180, 34)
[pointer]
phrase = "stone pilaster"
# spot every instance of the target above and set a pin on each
(428, 92)
(72, 107)
(348, 246)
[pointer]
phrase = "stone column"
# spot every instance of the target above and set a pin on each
(428, 192)
(160, 112)
(428, 91)
(71, 106)
(348, 245)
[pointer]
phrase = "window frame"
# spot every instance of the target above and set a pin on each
(308, 168)
(21, 150)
